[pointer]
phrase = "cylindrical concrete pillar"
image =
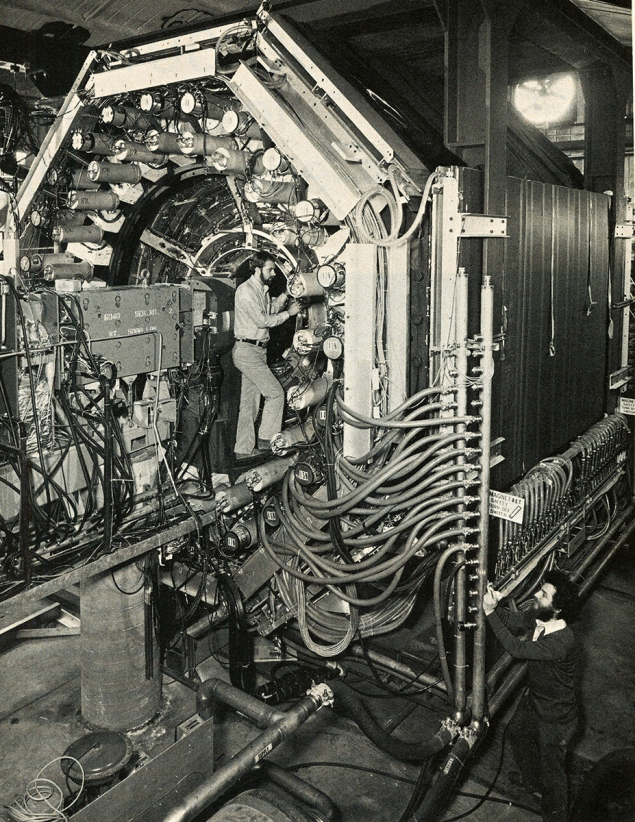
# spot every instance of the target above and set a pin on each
(116, 694)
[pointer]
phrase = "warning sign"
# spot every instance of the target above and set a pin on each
(506, 506)
(627, 405)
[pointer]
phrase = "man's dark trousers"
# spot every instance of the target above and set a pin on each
(540, 750)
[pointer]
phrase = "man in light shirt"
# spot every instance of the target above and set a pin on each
(547, 714)
(254, 314)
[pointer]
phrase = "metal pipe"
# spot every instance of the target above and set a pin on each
(25, 504)
(460, 596)
(300, 789)
(216, 690)
(580, 569)
(487, 363)
(242, 763)
(605, 560)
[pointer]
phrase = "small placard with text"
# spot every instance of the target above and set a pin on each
(627, 405)
(506, 506)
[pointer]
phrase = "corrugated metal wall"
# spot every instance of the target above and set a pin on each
(552, 299)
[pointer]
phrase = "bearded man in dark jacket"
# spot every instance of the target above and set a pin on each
(547, 714)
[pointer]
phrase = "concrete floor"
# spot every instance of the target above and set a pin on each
(40, 717)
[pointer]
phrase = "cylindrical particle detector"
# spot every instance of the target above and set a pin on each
(274, 160)
(114, 172)
(156, 104)
(92, 200)
(240, 123)
(307, 211)
(313, 235)
(242, 536)
(205, 104)
(78, 234)
(125, 116)
(163, 142)
(130, 152)
(284, 233)
(229, 499)
(331, 275)
(305, 284)
(333, 347)
(81, 180)
(204, 145)
(295, 435)
(261, 190)
(306, 396)
(271, 472)
(93, 143)
(230, 161)
(305, 339)
(69, 271)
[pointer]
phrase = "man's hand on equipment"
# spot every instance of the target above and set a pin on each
(491, 599)
(293, 308)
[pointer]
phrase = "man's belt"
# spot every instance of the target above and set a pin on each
(259, 343)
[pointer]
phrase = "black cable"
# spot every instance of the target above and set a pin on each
(486, 796)
(407, 780)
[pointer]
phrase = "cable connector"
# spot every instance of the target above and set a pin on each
(322, 694)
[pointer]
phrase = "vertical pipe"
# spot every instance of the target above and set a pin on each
(108, 440)
(460, 639)
(25, 505)
(487, 364)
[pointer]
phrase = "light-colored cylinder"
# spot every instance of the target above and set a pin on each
(92, 143)
(240, 123)
(259, 189)
(92, 200)
(204, 145)
(305, 284)
(331, 275)
(69, 271)
(273, 160)
(306, 396)
(229, 499)
(137, 153)
(164, 142)
(115, 692)
(295, 435)
(81, 180)
(230, 161)
(114, 172)
(264, 476)
(208, 104)
(78, 234)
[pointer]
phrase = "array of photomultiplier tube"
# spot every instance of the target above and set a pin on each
(558, 486)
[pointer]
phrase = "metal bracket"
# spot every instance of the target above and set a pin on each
(495, 452)
(483, 225)
(620, 377)
(624, 231)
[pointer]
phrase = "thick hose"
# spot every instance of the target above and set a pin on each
(349, 704)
